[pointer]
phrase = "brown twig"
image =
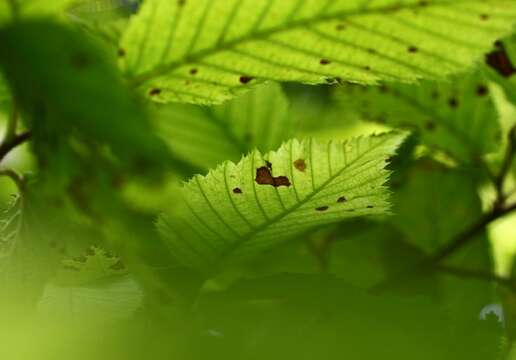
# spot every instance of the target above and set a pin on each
(509, 283)
(15, 177)
(9, 144)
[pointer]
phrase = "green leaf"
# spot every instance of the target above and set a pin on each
(75, 98)
(207, 136)
(239, 210)
(434, 205)
(32, 8)
(208, 51)
(457, 117)
(95, 265)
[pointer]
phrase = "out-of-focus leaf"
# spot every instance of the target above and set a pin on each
(32, 8)
(75, 98)
(433, 206)
(207, 136)
(457, 117)
(311, 316)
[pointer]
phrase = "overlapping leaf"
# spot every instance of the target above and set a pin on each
(241, 209)
(457, 117)
(206, 51)
(207, 136)
(32, 8)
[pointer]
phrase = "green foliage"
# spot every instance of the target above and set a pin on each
(209, 51)
(181, 200)
(241, 209)
(457, 117)
(207, 136)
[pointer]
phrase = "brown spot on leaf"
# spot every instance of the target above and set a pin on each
(453, 102)
(237, 190)
(413, 49)
(154, 92)
(246, 79)
(367, 68)
(194, 71)
(484, 17)
(342, 199)
(300, 164)
(264, 177)
(121, 53)
(324, 62)
(482, 90)
(322, 208)
(500, 61)
(369, 206)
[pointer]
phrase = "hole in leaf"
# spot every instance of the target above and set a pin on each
(264, 177)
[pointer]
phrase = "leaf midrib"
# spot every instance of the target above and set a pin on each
(251, 234)
(195, 57)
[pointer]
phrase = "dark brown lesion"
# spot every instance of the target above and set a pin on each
(237, 191)
(300, 164)
(499, 60)
(264, 177)
(322, 208)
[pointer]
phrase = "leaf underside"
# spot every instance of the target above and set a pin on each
(457, 117)
(207, 51)
(242, 209)
(207, 136)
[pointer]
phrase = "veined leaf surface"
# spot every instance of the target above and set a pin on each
(241, 209)
(456, 116)
(206, 51)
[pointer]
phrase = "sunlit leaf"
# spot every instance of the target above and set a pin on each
(208, 51)
(239, 210)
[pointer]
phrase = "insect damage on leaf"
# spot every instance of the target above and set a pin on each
(264, 177)
(499, 60)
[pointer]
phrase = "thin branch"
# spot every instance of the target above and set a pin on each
(457, 243)
(10, 144)
(499, 180)
(464, 237)
(480, 275)
(15, 177)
